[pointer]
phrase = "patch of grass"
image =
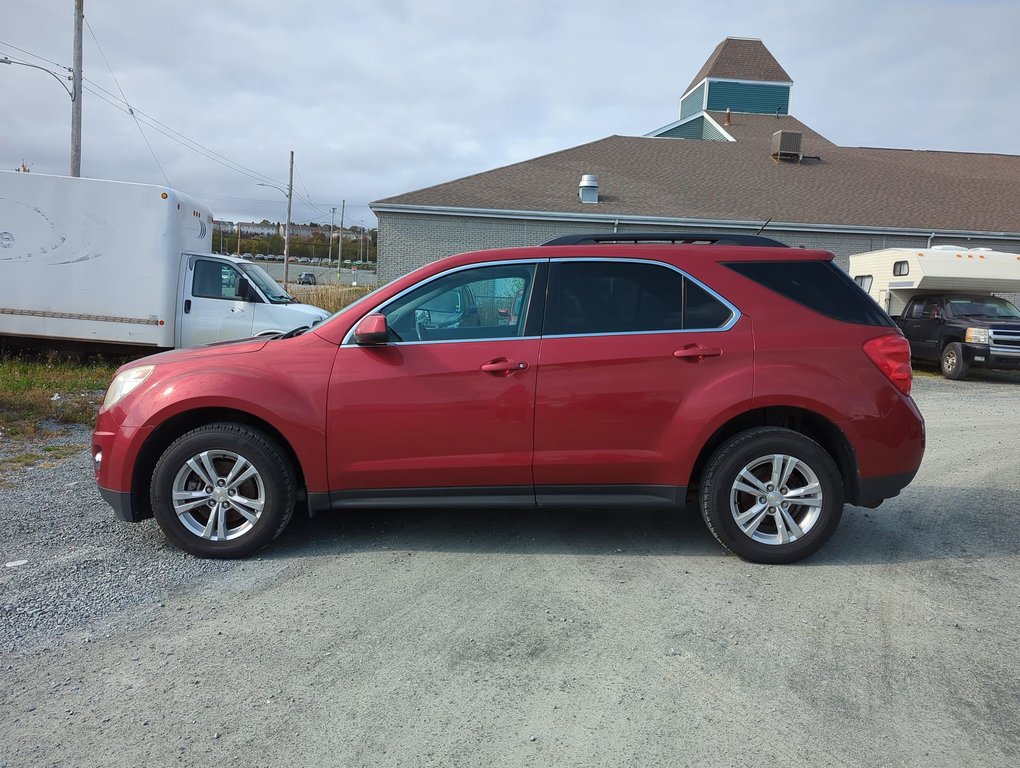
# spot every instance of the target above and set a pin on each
(62, 388)
(331, 298)
(51, 456)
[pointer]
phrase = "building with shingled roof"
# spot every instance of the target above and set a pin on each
(734, 159)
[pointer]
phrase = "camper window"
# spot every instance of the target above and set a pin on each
(900, 268)
(864, 281)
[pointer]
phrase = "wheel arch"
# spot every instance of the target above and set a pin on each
(175, 426)
(806, 422)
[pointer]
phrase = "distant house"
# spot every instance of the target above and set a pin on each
(254, 229)
(733, 159)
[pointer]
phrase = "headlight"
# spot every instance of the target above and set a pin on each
(124, 383)
(977, 335)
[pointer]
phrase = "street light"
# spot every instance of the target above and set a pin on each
(75, 136)
(289, 192)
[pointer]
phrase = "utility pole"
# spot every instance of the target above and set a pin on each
(340, 251)
(286, 228)
(329, 257)
(238, 239)
(79, 16)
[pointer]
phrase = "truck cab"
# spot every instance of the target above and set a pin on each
(226, 298)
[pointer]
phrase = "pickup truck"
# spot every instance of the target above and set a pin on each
(962, 330)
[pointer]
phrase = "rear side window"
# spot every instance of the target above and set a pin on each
(595, 297)
(818, 285)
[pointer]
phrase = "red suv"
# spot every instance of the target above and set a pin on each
(756, 381)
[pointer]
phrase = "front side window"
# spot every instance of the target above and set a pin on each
(213, 280)
(487, 302)
(598, 297)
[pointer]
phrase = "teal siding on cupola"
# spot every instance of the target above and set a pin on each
(693, 102)
(699, 128)
(748, 97)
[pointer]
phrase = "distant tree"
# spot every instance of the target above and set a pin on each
(265, 221)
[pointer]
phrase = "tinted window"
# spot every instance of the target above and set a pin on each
(481, 303)
(818, 285)
(588, 297)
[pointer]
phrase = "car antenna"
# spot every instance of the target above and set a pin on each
(763, 226)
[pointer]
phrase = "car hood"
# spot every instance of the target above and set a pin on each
(314, 314)
(215, 349)
(998, 324)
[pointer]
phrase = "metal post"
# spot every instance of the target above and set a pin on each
(238, 239)
(79, 15)
(286, 227)
(329, 257)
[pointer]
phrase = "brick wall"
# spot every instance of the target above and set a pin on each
(408, 241)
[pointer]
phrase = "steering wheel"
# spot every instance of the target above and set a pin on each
(422, 321)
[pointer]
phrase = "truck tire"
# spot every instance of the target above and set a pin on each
(954, 366)
(223, 490)
(771, 495)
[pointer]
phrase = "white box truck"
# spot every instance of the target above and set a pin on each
(116, 263)
(943, 300)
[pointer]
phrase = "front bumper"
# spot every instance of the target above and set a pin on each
(115, 450)
(121, 503)
(988, 356)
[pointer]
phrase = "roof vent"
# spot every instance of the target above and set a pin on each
(588, 189)
(786, 146)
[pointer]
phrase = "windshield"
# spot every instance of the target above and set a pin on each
(269, 287)
(982, 306)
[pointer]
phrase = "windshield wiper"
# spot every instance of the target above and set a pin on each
(292, 333)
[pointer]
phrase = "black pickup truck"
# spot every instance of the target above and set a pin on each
(960, 331)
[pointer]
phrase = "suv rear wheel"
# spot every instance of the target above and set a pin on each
(771, 495)
(223, 490)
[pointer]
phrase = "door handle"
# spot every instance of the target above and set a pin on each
(695, 353)
(187, 306)
(503, 366)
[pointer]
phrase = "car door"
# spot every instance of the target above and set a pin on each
(445, 410)
(212, 311)
(923, 323)
(635, 357)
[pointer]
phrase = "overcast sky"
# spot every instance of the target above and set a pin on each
(382, 97)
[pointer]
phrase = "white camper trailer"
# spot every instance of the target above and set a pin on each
(893, 275)
(108, 262)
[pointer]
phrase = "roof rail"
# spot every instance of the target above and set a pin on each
(666, 237)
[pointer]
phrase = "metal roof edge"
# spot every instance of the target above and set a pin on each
(613, 218)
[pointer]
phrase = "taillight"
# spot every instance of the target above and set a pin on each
(891, 353)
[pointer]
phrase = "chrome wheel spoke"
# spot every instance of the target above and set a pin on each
(210, 525)
(203, 474)
(221, 522)
(238, 466)
(756, 509)
(788, 528)
(751, 483)
(249, 472)
(752, 526)
(187, 506)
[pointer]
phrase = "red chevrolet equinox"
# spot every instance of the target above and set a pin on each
(755, 381)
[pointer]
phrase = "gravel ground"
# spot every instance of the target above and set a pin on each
(455, 638)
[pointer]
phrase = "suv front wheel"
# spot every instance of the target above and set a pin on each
(771, 495)
(223, 490)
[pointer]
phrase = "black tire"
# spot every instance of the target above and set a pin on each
(954, 364)
(254, 511)
(722, 501)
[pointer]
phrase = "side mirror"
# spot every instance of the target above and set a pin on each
(244, 291)
(371, 330)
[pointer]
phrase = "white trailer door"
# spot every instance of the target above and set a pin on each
(212, 311)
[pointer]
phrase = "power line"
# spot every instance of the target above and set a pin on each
(34, 55)
(124, 97)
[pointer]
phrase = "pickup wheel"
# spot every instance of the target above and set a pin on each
(771, 495)
(954, 365)
(223, 490)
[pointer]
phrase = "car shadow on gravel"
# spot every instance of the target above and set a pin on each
(580, 532)
(898, 532)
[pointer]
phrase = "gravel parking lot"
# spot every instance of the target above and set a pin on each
(485, 639)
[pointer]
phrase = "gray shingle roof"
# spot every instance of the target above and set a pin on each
(738, 181)
(737, 58)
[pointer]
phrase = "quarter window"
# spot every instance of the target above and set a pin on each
(488, 302)
(594, 297)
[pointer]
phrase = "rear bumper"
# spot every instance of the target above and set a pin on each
(875, 490)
